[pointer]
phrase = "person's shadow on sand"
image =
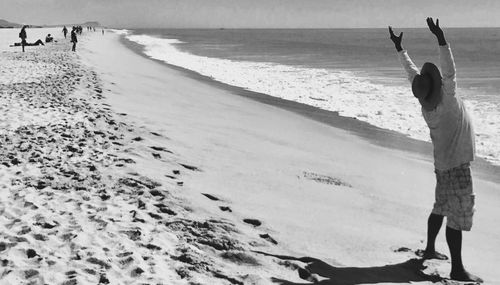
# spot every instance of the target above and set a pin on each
(405, 272)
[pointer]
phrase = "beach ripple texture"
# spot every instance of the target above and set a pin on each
(388, 106)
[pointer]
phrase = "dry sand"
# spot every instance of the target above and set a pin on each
(120, 170)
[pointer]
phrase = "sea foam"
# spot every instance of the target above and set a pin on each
(389, 107)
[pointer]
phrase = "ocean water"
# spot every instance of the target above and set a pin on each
(354, 72)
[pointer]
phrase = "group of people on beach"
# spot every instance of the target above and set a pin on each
(74, 39)
(76, 30)
(49, 38)
(23, 36)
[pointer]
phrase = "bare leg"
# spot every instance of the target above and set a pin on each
(433, 226)
(458, 272)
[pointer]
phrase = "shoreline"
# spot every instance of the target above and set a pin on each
(376, 135)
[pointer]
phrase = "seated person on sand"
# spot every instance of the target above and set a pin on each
(37, 43)
(49, 39)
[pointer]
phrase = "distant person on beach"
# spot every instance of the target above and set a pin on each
(39, 42)
(452, 136)
(74, 39)
(23, 36)
(65, 31)
(49, 39)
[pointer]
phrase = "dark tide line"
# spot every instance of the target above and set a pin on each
(378, 136)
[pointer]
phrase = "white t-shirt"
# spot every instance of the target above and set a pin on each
(450, 125)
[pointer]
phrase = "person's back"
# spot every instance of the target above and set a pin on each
(49, 38)
(452, 133)
(23, 36)
(74, 39)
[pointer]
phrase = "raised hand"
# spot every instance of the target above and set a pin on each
(436, 30)
(396, 39)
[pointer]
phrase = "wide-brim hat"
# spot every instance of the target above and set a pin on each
(426, 86)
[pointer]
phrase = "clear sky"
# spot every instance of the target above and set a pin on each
(254, 13)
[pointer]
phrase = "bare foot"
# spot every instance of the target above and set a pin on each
(431, 255)
(465, 276)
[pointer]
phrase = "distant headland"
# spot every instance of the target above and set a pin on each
(6, 24)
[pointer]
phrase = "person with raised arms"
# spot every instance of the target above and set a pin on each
(452, 136)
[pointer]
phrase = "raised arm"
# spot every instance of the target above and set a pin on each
(410, 68)
(445, 58)
(397, 40)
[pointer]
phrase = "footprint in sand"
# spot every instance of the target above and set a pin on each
(421, 253)
(30, 273)
(142, 205)
(157, 193)
(165, 210)
(253, 222)
(225, 209)
(40, 237)
(155, 216)
(211, 197)
(190, 167)
(402, 249)
(160, 148)
(98, 262)
(268, 238)
(136, 272)
(152, 246)
(325, 179)
(31, 253)
(103, 279)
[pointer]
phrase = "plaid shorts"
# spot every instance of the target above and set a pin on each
(454, 197)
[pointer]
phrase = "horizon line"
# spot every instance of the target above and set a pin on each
(298, 28)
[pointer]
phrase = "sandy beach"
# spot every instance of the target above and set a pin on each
(118, 169)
